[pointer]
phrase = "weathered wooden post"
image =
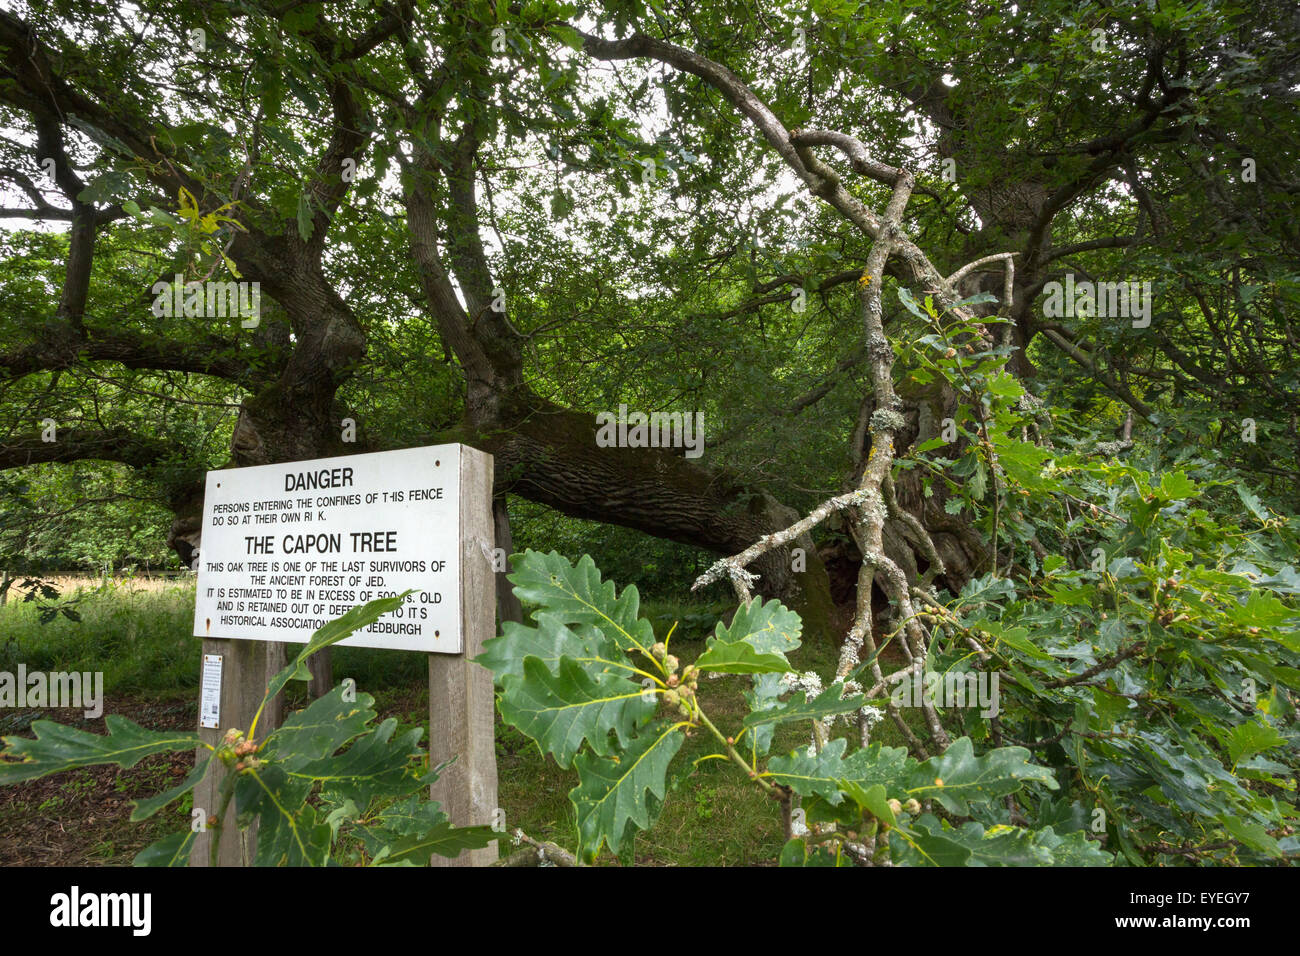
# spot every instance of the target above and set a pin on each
(288, 547)
(461, 699)
(235, 674)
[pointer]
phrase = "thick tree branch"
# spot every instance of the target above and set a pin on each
(218, 358)
(76, 444)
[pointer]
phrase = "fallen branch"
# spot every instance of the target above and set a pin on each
(535, 853)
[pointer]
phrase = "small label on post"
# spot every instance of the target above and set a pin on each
(210, 702)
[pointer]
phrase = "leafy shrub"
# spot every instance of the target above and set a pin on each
(1158, 680)
(588, 681)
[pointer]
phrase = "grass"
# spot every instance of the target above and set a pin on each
(139, 634)
(135, 632)
(140, 637)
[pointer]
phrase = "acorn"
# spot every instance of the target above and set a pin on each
(895, 806)
(671, 663)
(671, 698)
(659, 650)
(912, 806)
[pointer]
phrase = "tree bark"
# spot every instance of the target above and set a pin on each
(509, 607)
(549, 454)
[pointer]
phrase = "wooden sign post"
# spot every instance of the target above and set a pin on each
(462, 704)
(239, 671)
(288, 547)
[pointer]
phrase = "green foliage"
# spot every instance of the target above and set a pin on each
(756, 641)
(1160, 670)
(623, 794)
(326, 773)
(623, 750)
(81, 518)
(1145, 630)
(563, 709)
(57, 748)
(1155, 680)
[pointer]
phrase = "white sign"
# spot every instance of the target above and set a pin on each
(287, 548)
(210, 697)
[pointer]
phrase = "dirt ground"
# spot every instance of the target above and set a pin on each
(82, 817)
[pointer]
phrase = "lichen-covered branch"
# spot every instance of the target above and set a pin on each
(733, 567)
(536, 853)
(868, 503)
